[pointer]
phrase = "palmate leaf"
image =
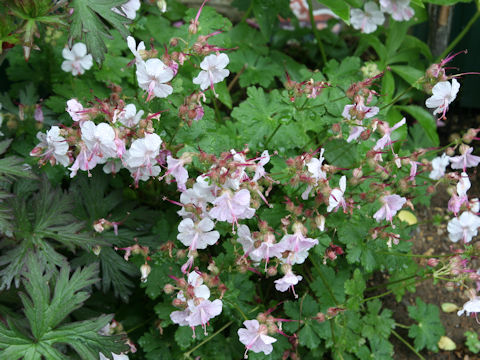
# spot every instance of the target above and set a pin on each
(89, 24)
(429, 329)
(42, 220)
(46, 310)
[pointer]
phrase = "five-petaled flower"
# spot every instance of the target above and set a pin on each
(367, 20)
(255, 337)
(76, 60)
(213, 71)
(444, 93)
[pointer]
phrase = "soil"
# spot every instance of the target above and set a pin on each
(430, 238)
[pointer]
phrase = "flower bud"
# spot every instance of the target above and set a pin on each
(432, 262)
(320, 317)
(168, 289)
(145, 270)
(336, 128)
(96, 249)
(272, 271)
(177, 302)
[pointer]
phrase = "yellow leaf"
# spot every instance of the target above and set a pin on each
(446, 343)
(408, 217)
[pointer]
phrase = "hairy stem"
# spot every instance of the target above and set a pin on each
(187, 354)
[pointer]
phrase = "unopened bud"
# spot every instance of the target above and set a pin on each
(272, 271)
(177, 302)
(145, 270)
(262, 318)
(320, 317)
(168, 289)
(432, 262)
(193, 27)
(336, 128)
(463, 149)
(96, 249)
(213, 268)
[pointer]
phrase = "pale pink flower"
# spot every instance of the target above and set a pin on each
(86, 161)
(213, 71)
(439, 164)
(152, 76)
(180, 317)
(443, 94)
(112, 166)
(76, 60)
(199, 195)
(255, 337)
(248, 243)
(464, 227)
(367, 20)
(38, 114)
(129, 116)
(267, 249)
(399, 9)
(144, 172)
(231, 206)
(336, 198)
(298, 246)
(358, 112)
(386, 140)
(52, 145)
(391, 204)
(463, 185)
(470, 307)
(260, 170)
(202, 313)
(465, 160)
(197, 235)
(76, 111)
(176, 169)
(196, 286)
(288, 282)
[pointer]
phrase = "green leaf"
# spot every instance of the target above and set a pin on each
(425, 119)
(46, 310)
(408, 73)
(355, 288)
(428, 330)
(183, 337)
(89, 21)
(266, 12)
(446, 2)
(395, 36)
(472, 342)
(340, 153)
(340, 8)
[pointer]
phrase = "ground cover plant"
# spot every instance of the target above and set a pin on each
(177, 184)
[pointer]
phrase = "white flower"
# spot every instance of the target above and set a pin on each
(439, 164)
(463, 185)
(76, 60)
(200, 290)
(367, 20)
(336, 198)
(129, 9)
(288, 282)
(129, 116)
(143, 151)
(115, 357)
(464, 227)
(213, 70)
(100, 140)
(472, 306)
(197, 235)
(399, 9)
(52, 145)
(75, 110)
(152, 76)
(248, 244)
(443, 94)
(314, 167)
(132, 45)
